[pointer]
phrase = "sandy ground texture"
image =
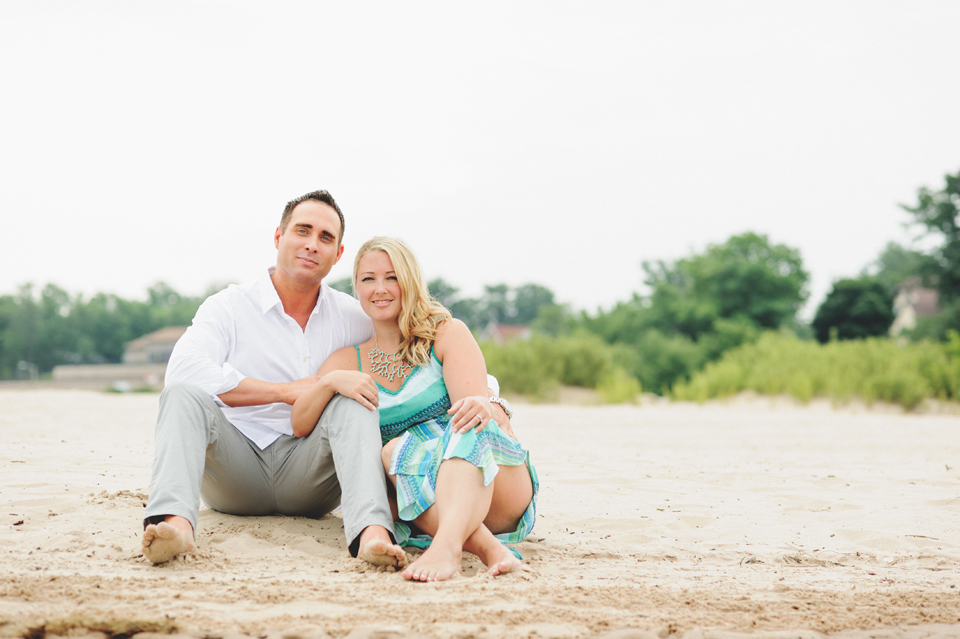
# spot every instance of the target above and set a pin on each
(745, 519)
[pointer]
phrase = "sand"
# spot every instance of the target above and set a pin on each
(746, 519)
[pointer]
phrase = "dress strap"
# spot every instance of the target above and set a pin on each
(359, 361)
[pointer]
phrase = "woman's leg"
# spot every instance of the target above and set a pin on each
(462, 501)
(500, 505)
(512, 492)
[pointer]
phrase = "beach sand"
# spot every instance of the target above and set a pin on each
(753, 518)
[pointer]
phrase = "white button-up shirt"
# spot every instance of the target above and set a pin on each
(242, 331)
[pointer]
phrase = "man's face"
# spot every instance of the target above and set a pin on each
(308, 248)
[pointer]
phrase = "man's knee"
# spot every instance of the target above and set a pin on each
(182, 392)
(343, 412)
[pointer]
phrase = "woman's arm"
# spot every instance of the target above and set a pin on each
(338, 374)
(465, 374)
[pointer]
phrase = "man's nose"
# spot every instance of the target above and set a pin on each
(312, 244)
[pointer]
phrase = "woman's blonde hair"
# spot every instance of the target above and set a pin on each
(420, 314)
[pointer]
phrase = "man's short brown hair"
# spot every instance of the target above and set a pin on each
(319, 196)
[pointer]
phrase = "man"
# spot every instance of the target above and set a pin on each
(223, 430)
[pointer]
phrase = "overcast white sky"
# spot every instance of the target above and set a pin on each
(560, 143)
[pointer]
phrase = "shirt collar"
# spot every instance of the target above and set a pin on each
(270, 299)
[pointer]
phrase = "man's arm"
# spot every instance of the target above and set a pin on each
(500, 415)
(255, 392)
(200, 358)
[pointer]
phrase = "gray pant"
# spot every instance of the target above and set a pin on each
(198, 453)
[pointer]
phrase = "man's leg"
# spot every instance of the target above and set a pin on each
(192, 434)
(346, 442)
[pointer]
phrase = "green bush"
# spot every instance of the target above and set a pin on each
(536, 367)
(873, 369)
(660, 360)
(618, 387)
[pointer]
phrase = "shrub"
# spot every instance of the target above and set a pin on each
(536, 367)
(873, 369)
(618, 386)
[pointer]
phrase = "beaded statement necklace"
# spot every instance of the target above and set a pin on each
(387, 365)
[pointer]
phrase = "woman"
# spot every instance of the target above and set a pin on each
(456, 475)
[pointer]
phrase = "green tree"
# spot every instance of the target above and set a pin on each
(527, 302)
(624, 323)
(496, 304)
(554, 320)
(344, 285)
(854, 309)
(443, 292)
(896, 264)
(938, 212)
(746, 278)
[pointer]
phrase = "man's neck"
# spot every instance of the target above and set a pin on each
(298, 299)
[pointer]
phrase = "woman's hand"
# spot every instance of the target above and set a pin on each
(470, 412)
(355, 385)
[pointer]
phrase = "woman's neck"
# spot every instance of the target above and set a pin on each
(387, 336)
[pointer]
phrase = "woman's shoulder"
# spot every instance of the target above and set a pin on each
(449, 324)
(451, 334)
(343, 359)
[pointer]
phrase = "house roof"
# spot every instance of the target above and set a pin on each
(924, 301)
(167, 335)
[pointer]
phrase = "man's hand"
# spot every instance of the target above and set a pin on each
(355, 385)
(500, 416)
(290, 391)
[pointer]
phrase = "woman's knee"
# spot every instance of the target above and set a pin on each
(386, 453)
(512, 493)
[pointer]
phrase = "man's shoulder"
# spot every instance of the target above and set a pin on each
(344, 301)
(234, 299)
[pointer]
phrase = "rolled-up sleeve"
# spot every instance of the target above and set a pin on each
(200, 356)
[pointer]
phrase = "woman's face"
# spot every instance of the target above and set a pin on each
(377, 287)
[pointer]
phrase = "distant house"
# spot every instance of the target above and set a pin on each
(153, 348)
(503, 333)
(912, 302)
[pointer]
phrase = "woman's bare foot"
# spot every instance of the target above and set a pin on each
(504, 563)
(377, 548)
(437, 563)
(495, 556)
(164, 541)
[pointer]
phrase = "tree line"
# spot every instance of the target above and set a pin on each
(49, 327)
(695, 309)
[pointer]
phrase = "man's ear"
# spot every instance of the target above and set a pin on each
(276, 238)
(339, 254)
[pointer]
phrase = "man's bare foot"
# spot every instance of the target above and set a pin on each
(376, 548)
(164, 541)
(437, 563)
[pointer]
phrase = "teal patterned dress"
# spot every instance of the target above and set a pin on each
(417, 414)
